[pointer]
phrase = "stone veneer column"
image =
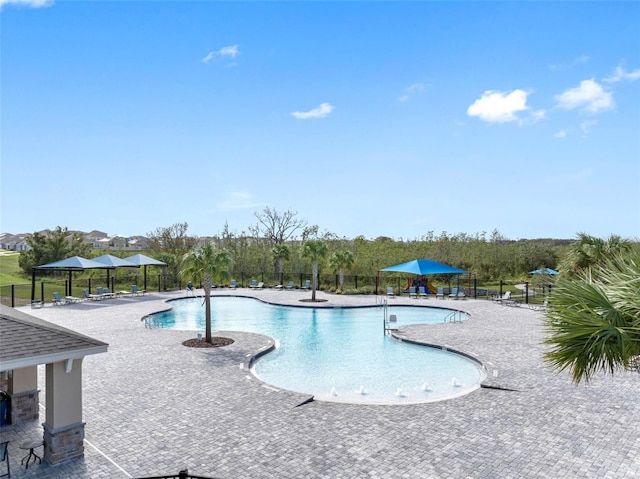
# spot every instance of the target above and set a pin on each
(24, 394)
(63, 428)
(63, 443)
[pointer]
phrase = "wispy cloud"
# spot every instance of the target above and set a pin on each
(578, 61)
(235, 200)
(323, 110)
(27, 3)
(502, 107)
(620, 74)
(560, 134)
(586, 126)
(410, 91)
(230, 51)
(589, 96)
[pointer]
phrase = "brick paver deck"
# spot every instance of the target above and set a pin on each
(154, 407)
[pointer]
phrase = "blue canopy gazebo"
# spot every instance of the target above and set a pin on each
(114, 262)
(142, 260)
(422, 267)
(74, 263)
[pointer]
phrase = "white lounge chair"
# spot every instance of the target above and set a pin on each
(422, 292)
(232, 285)
(390, 293)
(440, 293)
(412, 292)
(505, 297)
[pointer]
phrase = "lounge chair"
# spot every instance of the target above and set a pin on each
(260, 285)
(457, 294)
(108, 294)
(440, 293)
(254, 284)
(307, 284)
(412, 292)
(505, 297)
(232, 285)
(93, 297)
(422, 292)
(73, 299)
(390, 293)
(136, 291)
(57, 299)
(289, 285)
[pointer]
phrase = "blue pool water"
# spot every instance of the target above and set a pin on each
(338, 354)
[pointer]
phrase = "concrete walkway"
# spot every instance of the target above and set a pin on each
(153, 407)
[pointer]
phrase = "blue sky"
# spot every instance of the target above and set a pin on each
(367, 118)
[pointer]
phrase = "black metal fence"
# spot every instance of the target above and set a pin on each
(22, 295)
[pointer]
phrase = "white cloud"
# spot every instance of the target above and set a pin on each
(323, 110)
(620, 74)
(27, 3)
(235, 200)
(578, 61)
(560, 134)
(589, 95)
(230, 51)
(586, 126)
(499, 107)
(411, 90)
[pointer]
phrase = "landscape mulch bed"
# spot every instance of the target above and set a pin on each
(216, 342)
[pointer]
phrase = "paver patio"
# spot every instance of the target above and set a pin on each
(153, 407)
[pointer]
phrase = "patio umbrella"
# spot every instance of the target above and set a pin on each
(142, 260)
(544, 271)
(114, 262)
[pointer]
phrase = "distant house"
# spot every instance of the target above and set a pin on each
(13, 242)
(95, 239)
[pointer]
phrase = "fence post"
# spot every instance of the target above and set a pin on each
(526, 292)
(13, 296)
(501, 288)
(356, 281)
(42, 292)
(475, 286)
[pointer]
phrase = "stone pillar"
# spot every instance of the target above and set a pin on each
(63, 428)
(24, 394)
(63, 443)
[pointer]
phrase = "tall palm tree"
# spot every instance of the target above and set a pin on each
(594, 324)
(280, 252)
(204, 265)
(340, 260)
(314, 249)
(589, 251)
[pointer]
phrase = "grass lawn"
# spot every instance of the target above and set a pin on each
(10, 272)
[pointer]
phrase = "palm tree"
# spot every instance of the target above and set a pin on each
(589, 251)
(204, 265)
(594, 324)
(280, 252)
(314, 249)
(339, 261)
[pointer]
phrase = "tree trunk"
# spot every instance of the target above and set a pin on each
(315, 281)
(207, 309)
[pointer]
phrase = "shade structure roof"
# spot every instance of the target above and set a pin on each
(114, 261)
(423, 266)
(74, 263)
(142, 260)
(544, 271)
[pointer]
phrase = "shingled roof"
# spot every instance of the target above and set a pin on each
(29, 341)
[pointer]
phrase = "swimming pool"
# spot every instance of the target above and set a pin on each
(338, 354)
